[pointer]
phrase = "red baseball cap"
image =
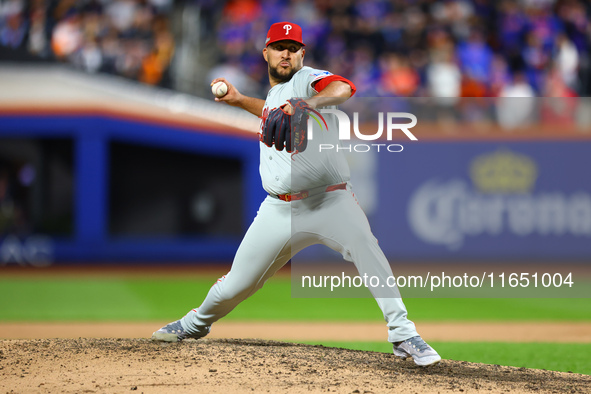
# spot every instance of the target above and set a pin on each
(284, 31)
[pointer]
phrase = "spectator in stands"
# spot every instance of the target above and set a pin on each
(475, 58)
(536, 58)
(365, 73)
(14, 29)
(499, 75)
(67, 37)
(456, 14)
(559, 105)
(516, 106)
(89, 57)
(398, 77)
(444, 78)
(38, 41)
(567, 60)
(444, 85)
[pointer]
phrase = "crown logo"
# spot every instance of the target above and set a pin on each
(503, 172)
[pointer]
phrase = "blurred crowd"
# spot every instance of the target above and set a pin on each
(437, 48)
(131, 38)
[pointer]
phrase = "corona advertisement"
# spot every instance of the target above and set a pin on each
(487, 200)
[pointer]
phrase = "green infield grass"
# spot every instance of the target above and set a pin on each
(564, 357)
(129, 299)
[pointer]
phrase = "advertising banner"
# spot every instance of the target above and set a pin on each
(486, 200)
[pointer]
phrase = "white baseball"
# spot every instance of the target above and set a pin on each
(219, 89)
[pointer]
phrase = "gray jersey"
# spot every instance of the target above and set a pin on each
(283, 172)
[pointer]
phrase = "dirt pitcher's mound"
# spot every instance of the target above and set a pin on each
(245, 365)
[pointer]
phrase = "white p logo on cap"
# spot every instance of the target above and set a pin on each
(287, 29)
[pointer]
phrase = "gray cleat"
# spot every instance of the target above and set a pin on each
(415, 347)
(172, 332)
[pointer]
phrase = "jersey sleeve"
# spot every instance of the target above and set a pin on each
(317, 80)
(312, 77)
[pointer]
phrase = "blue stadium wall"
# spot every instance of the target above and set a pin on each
(90, 241)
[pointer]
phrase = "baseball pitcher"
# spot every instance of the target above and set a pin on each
(310, 199)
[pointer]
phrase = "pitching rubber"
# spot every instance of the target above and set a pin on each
(165, 337)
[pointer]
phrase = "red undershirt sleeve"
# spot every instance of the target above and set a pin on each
(322, 83)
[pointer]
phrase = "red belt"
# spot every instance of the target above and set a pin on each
(306, 193)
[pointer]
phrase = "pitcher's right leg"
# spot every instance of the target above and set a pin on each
(265, 249)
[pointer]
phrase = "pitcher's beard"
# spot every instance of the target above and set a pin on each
(279, 77)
